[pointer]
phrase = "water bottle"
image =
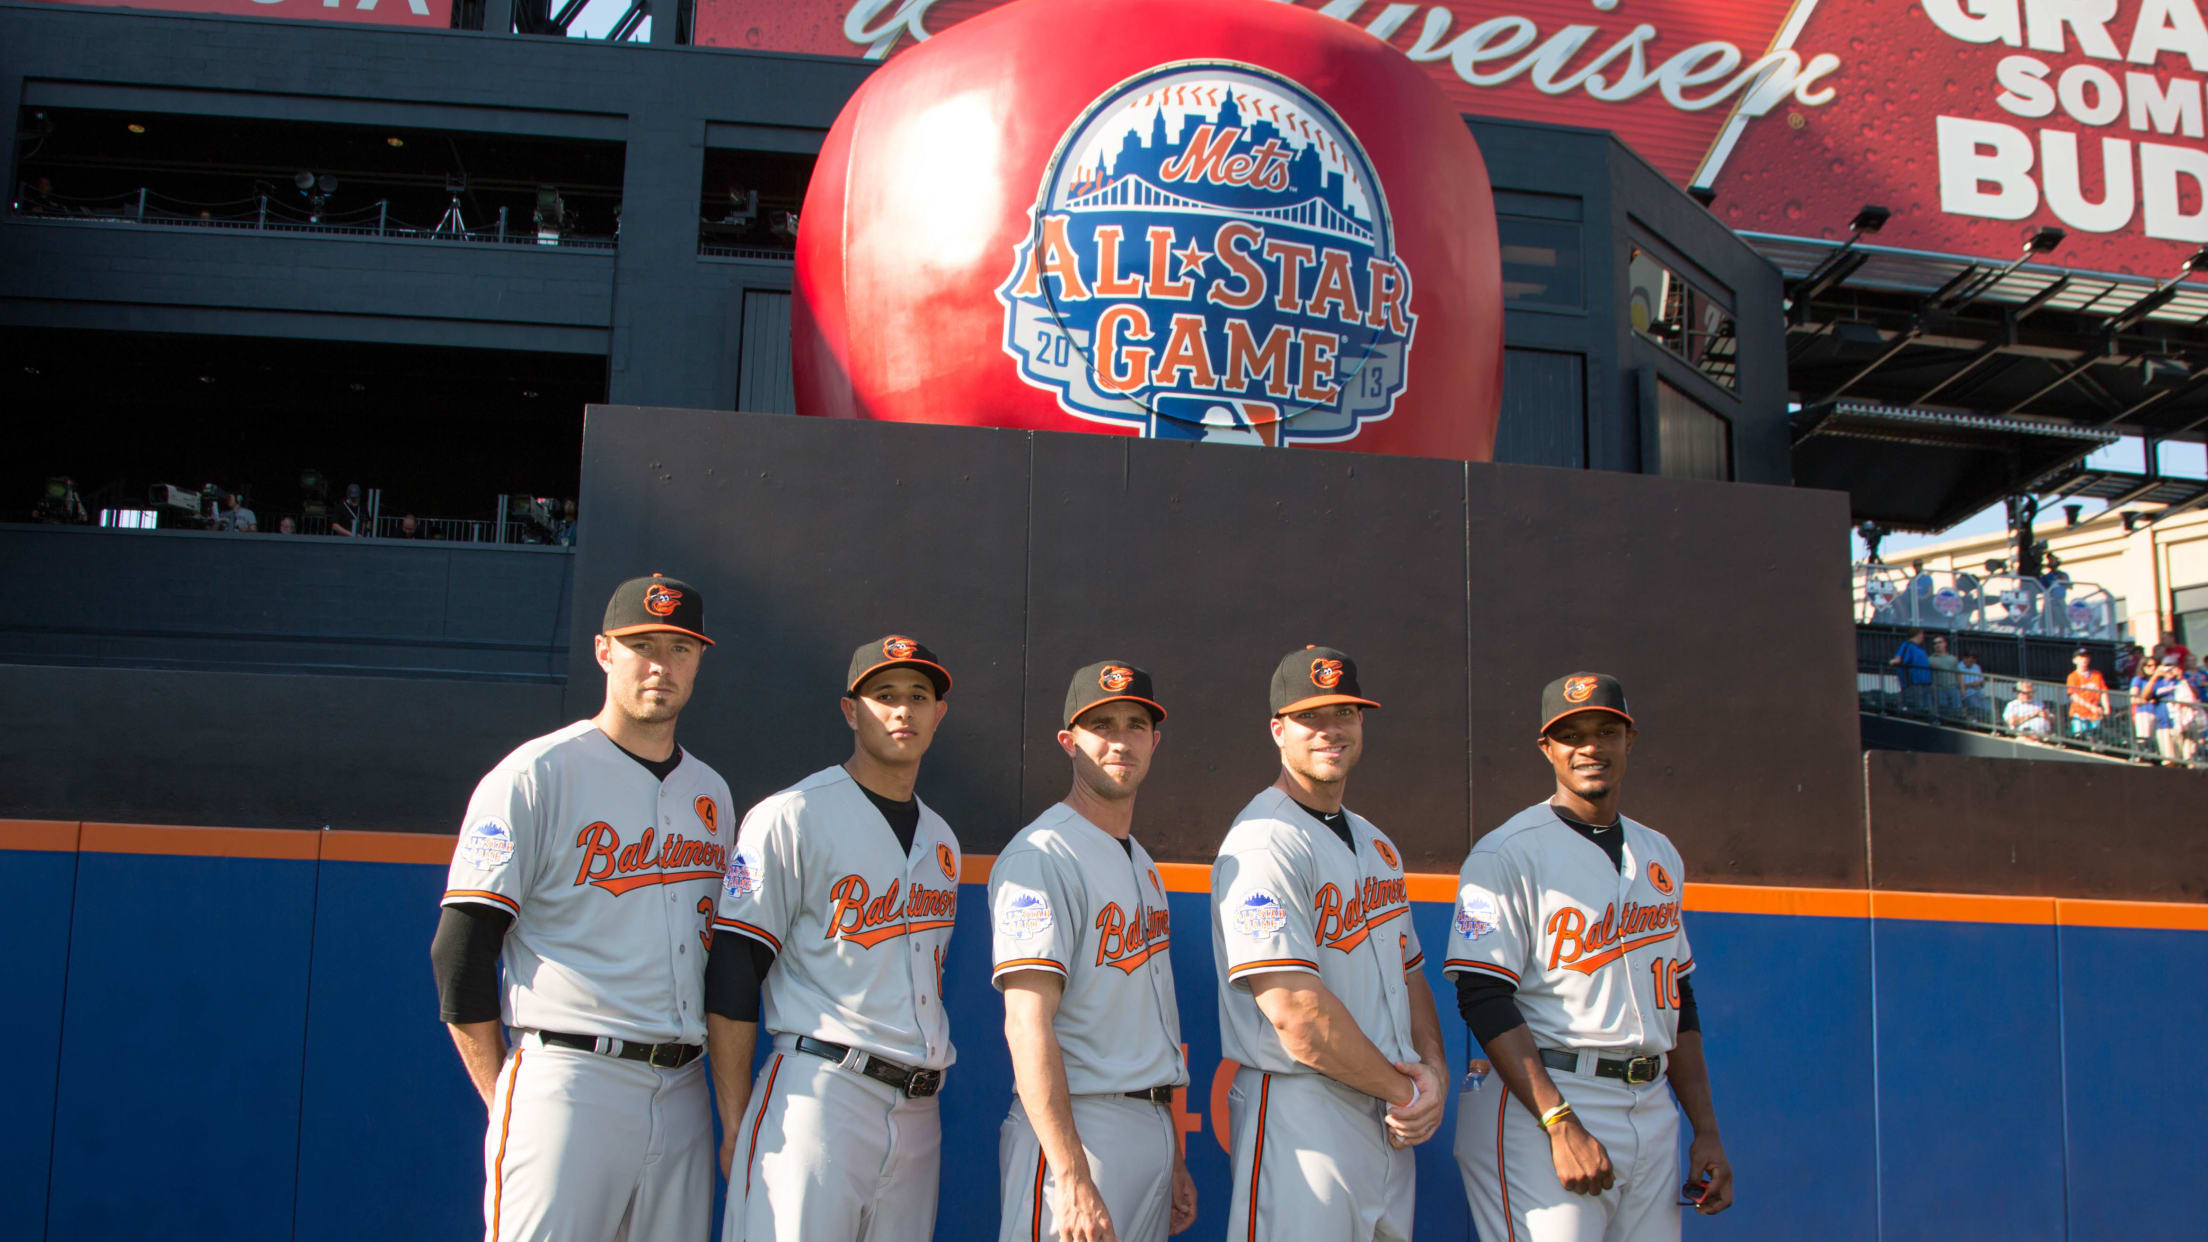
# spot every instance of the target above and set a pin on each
(1475, 1073)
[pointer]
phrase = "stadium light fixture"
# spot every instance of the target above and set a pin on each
(2044, 240)
(1871, 219)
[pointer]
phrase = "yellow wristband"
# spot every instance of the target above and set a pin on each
(1554, 1115)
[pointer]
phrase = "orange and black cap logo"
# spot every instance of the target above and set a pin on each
(1316, 677)
(654, 603)
(1660, 878)
(1109, 681)
(1576, 689)
(1582, 692)
(895, 651)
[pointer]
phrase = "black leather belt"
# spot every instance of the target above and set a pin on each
(660, 1056)
(1156, 1095)
(917, 1083)
(1635, 1072)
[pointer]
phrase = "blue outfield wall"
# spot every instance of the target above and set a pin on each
(225, 1049)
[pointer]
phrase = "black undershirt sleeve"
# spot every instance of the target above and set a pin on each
(735, 968)
(464, 956)
(1489, 1005)
(1690, 1019)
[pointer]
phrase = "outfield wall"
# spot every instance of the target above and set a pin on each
(230, 1034)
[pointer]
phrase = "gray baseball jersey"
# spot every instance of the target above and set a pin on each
(1596, 953)
(1286, 894)
(859, 927)
(1066, 897)
(610, 875)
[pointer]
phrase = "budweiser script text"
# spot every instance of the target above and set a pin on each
(1499, 50)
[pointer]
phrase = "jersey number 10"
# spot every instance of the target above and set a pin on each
(1666, 970)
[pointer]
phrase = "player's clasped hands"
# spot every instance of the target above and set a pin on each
(1413, 1123)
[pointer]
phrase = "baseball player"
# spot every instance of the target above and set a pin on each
(1320, 997)
(587, 867)
(833, 923)
(1571, 967)
(1089, 1152)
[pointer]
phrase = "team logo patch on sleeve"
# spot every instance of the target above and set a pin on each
(1022, 914)
(1257, 915)
(1660, 878)
(747, 874)
(1476, 914)
(489, 843)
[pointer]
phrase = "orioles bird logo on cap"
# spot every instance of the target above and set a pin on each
(1326, 674)
(660, 600)
(1115, 679)
(943, 860)
(899, 648)
(1576, 689)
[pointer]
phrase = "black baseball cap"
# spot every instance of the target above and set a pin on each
(895, 651)
(642, 605)
(1582, 692)
(1316, 677)
(1110, 681)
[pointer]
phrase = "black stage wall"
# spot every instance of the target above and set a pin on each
(1460, 589)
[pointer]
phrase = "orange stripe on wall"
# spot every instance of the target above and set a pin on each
(435, 849)
(427, 848)
(52, 836)
(200, 842)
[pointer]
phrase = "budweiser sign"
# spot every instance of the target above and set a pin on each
(1971, 119)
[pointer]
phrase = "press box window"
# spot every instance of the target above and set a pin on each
(1692, 441)
(1686, 320)
(1541, 263)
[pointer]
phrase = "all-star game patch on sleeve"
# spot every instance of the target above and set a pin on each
(500, 841)
(1488, 932)
(1264, 914)
(759, 891)
(1032, 924)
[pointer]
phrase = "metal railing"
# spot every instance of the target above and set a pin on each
(1939, 599)
(264, 213)
(2155, 727)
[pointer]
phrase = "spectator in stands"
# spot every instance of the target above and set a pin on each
(1975, 701)
(2127, 662)
(2054, 584)
(36, 198)
(61, 504)
(286, 526)
(1916, 673)
(1966, 586)
(349, 519)
(2088, 695)
(2170, 649)
(2027, 715)
(565, 536)
(1947, 690)
(1918, 609)
(410, 527)
(2151, 693)
(236, 516)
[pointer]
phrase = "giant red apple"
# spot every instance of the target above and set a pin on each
(1192, 219)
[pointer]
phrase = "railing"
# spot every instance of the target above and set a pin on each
(2150, 728)
(268, 214)
(1939, 599)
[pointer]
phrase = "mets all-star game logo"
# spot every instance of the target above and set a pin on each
(1210, 258)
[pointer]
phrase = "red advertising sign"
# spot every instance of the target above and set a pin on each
(1973, 120)
(428, 14)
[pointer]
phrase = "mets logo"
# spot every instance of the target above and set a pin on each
(1326, 674)
(1660, 878)
(1576, 689)
(1387, 854)
(899, 648)
(1115, 679)
(943, 859)
(1258, 915)
(661, 600)
(1210, 257)
(708, 814)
